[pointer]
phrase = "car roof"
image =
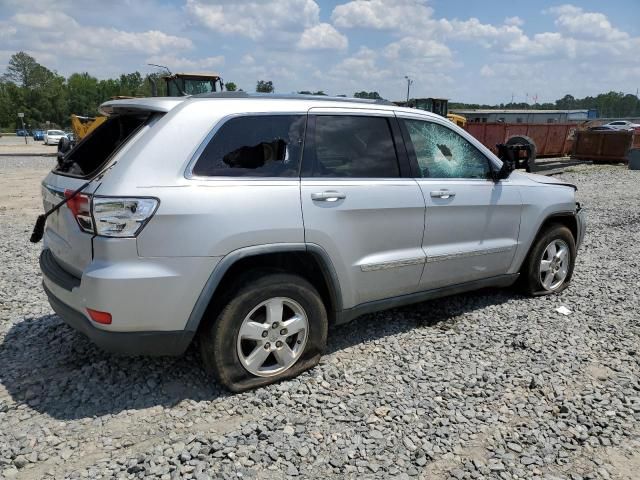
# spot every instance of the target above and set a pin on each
(304, 102)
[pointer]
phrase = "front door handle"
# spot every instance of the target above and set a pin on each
(442, 194)
(328, 196)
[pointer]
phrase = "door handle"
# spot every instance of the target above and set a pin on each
(328, 196)
(442, 194)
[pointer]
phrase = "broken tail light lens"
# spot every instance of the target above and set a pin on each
(80, 207)
(122, 217)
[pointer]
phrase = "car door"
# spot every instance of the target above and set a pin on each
(471, 222)
(360, 203)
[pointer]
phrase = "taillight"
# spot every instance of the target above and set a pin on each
(80, 207)
(122, 217)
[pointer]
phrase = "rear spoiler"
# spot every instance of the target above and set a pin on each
(140, 105)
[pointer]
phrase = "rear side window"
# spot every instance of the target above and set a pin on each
(256, 146)
(443, 153)
(354, 147)
(94, 151)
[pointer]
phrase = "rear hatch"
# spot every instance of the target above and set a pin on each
(64, 235)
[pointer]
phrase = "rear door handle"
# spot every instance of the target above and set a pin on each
(328, 196)
(442, 194)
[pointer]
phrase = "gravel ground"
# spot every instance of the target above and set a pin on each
(483, 385)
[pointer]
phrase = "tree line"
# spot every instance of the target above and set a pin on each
(48, 99)
(608, 105)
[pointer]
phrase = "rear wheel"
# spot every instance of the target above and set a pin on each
(275, 327)
(549, 267)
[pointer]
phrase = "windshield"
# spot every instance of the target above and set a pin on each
(186, 86)
(55, 132)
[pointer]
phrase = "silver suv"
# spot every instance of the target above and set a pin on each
(254, 223)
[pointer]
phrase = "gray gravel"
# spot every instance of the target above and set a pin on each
(483, 385)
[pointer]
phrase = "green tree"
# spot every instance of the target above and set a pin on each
(369, 95)
(22, 70)
(264, 86)
(230, 86)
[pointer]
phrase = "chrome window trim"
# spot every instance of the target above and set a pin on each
(188, 171)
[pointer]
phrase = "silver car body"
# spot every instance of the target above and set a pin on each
(382, 242)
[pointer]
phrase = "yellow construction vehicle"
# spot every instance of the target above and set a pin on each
(182, 84)
(83, 126)
(439, 106)
(177, 85)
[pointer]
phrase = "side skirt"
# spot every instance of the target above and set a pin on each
(349, 314)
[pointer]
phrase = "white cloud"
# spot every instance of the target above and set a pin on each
(580, 24)
(187, 64)
(487, 71)
(53, 19)
(514, 21)
(322, 36)
(417, 47)
(255, 19)
(381, 14)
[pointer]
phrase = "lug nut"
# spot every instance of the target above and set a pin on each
(267, 346)
(283, 331)
(278, 344)
(299, 342)
(264, 334)
(275, 325)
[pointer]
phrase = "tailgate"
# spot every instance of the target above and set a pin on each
(71, 247)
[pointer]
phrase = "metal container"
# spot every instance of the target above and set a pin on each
(634, 159)
(551, 140)
(604, 146)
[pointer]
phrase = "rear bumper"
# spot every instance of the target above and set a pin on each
(125, 343)
(149, 299)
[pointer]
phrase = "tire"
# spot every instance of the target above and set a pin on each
(524, 140)
(535, 280)
(226, 353)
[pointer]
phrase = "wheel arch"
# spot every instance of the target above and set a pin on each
(308, 260)
(568, 219)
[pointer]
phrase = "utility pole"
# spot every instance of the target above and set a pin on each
(409, 83)
(21, 116)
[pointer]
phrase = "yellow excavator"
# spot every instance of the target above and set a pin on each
(439, 106)
(83, 126)
(177, 85)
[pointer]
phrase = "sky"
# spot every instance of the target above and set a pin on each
(466, 50)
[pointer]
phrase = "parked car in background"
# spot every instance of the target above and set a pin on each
(603, 128)
(70, 136)
(622, 125)
(52, 137)
(38, 135)
(21, 132)
(255, 223)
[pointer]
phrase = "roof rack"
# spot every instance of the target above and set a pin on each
(293, 96)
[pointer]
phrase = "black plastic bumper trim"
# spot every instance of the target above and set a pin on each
(58, 275)
(154, 343)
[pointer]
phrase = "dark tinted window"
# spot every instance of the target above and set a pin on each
(258, 146)
(352, 146)
(443, 153)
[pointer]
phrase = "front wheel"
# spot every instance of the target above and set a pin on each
(273, 328)
(549, 267)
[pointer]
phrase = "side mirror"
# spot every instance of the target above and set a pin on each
(507, 155)
(508, 166)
